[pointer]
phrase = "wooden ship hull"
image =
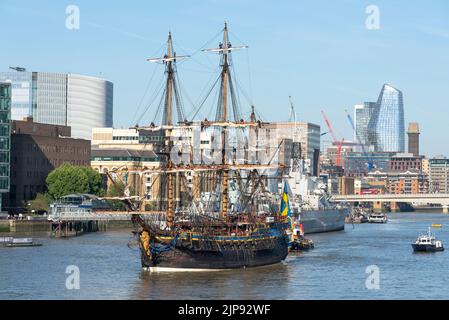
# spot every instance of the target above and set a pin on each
(215, 253)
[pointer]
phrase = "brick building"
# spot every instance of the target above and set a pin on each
(36, 150)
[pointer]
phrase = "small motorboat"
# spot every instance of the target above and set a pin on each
(379, 217)
(11, 242)
(427, 243)
(301, 244)
(298, 241)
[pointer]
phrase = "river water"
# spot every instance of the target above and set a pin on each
(335, 269)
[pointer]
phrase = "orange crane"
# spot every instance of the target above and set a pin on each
(335, 141)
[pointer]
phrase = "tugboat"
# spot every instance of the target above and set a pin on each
(427, 243)
(377, 218)
(299, 242)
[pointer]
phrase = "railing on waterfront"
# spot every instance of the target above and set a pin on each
(83, 215)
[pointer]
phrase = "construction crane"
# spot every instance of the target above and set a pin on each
(18, 69)
(335, 141)
(368, 158)
(292, 110)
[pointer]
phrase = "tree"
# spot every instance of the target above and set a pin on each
(68, 179)
(40, 203)
(116, 189)
(95, 181)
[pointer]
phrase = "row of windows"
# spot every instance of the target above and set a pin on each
(121, 138)
(140, 139)
(32, 147)
(151, 138)
(64, 149)
(128, 159)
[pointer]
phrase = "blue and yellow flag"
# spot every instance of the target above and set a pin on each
(285, 203)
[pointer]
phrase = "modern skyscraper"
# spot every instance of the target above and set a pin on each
(362, 115)
(5, 137)
(78, 101)
(413, 138)
(386, 129)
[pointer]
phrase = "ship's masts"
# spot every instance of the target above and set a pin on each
(224, 199)
(170, 82)
(169, 104)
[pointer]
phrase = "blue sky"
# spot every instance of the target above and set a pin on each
(319, 52)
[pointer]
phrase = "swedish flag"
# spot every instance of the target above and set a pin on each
(285, 203)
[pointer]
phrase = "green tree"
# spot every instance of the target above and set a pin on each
(116, 189)
(68, 179)
(95, 181)
(40, 203)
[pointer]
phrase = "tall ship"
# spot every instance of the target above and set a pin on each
(200, 222)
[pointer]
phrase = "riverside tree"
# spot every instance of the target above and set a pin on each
(68, 179)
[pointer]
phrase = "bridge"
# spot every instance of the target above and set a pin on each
(418, 198)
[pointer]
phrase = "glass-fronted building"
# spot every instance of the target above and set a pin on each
(5, 137)
(356, 164)
(362, 115)
(78, 101)
(386, 129)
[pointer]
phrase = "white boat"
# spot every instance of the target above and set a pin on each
(427, 243)
(17, 242)
(377, 218)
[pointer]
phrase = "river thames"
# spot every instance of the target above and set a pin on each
(335, 269)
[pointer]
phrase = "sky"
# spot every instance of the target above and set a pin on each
(320, 53)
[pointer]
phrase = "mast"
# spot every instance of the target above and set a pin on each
(169, 105)
(169, 60)
(224, 49)
(224, 85)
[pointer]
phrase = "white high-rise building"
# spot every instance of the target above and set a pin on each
(78, 101)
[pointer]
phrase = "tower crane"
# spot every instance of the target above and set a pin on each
(368, 158)
(335, 141)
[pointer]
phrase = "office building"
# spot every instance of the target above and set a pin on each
(357, 163)
(5, 139)
(405, 161)
(36, 150)
(411, 181)
(305, 135)
(362, 116)
(386, 129)
(439, 174)
(78, 101)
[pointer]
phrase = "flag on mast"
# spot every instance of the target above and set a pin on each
(285, 203)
